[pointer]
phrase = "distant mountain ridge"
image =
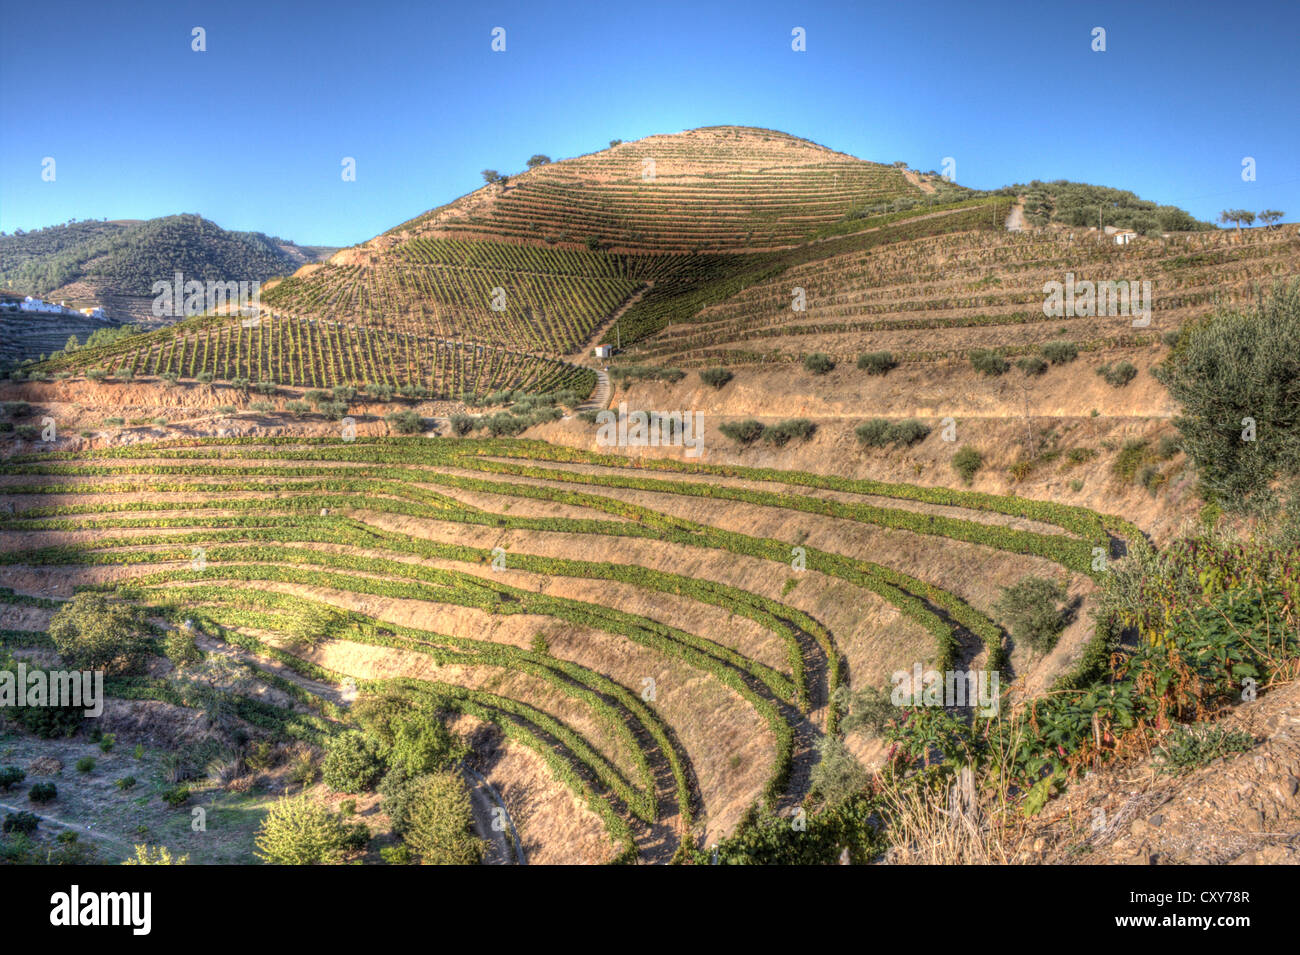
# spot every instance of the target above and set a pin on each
(103, 260)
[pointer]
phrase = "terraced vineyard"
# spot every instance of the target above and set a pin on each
(315, 354)
(939, 296)
(667, 640)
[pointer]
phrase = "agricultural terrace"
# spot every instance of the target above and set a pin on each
(667, 640)
(306, 353)
(941, 296)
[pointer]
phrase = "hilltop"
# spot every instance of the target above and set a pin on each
(114, 264)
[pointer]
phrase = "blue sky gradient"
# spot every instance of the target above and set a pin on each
(251, 133)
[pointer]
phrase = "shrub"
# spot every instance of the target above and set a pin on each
(818, 363)
(966, 462)
(743, 432)
(266, 388)
(405, 422)
(1189, 747)
(1032, 612)
(540, 644)
(1117, 376)
(176, 796)
(181, 648)
(782, 433)
(408, 740)
(717, 377)
(43, 793)
(125, 783)
(1130, 458)
(1060, 352)
(159, 855)
(334, 410)
(297, 407)
(91, 632)
(462, 424)
(439, 822)
(298, 831)
(204, 378)
(10, 776)
(352, 764)
(380, 392)
(877, 363)
(838, 774)
(344, 393)
(875, 433)
(1032, 365)
(989, 362)
(85, 764)
(24, 822)
(262, 407)
(908, 432)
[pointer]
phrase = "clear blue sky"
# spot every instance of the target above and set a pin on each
(252, 132)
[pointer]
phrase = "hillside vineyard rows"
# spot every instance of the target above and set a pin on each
(399, 537)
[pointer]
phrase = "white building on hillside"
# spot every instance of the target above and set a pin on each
(1125, 236)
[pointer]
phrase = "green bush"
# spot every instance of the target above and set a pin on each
(1117, 376)
(1032, 611)
(298, 831)
(440, 820)
(966, 462)
(462, 424)
(24, 822)
(877, 363)
(43, 793)
(989, 362)
(909, 431)
(125, 783)
(875, 433)
(85, 764)
(90, 632)
(352, 763)
(1232, 366)
(818, 363)
(1032, 365)
(1060, 352)
(405, 422)
(176, 796)
(782, 433)
(717, 377)
(743, 432)
(181, 648)
(10, 776)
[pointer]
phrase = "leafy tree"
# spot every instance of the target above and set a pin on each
(440, 820)
(90, 632)
(1032, 612)
(299, 831)
(491, 176)
(1237, 216)
(717, 377)
(1237, 376)
(406, 737)
(966, 462)
(1270, 216)
(615, 142)
(538, 160)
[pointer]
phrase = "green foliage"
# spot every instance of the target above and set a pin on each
(1118, 375)
(352, 763)
(877, 363)
(1077, 204)
(299, 831)
(176, 796)
(717, 377)
(42, 793)
(966, 462)
(989, 362)
(837, 775)
(818, 363)
(878, 432)
(181, 648)
(24, 822)
(1060, 352)
(405, 422)
(783, 432)
(90, 632)
(1190, 747)
(125, 783)
(1032, 365)
(439, 821)
(10, 776)
(1032, 611)
(406, 738)
(742, 432)
(1234, 366)
(85, 764)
